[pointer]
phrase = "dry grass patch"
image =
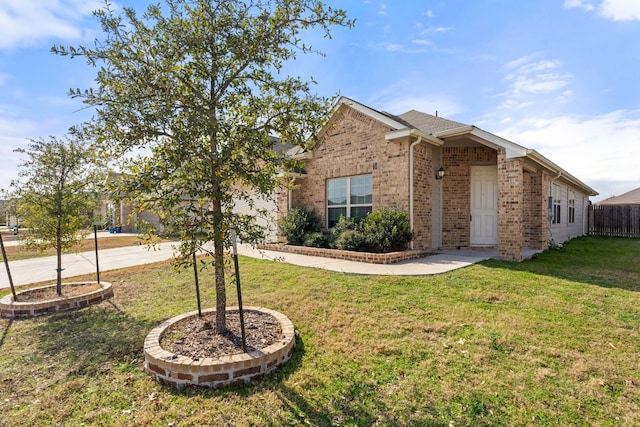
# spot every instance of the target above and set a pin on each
(15, 253)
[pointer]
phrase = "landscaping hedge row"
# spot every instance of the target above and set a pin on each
(382, 230)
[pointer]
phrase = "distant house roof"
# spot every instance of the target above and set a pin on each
(630, 198)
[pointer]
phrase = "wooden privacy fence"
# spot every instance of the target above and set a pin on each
(615, 221)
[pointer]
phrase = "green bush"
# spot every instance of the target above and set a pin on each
(316, 240)
(387, 230)
(297, 224)
(341, 226)
(383, 230)
(351, 240)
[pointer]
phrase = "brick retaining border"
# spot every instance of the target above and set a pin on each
(10, 309)
(178, 371)
(370, 257)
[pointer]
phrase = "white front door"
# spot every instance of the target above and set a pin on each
(484, 205)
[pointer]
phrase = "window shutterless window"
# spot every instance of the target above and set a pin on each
(571, 211)
(557, 203)
(350, 197)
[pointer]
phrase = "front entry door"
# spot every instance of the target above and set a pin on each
(484, 205)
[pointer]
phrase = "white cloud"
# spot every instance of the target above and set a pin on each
(424, 42)
(578, 4)
(617, 10)
(31, 22)
(396, 47)
(602, 151)
(437, 30)
(528, 78)
(621, 10)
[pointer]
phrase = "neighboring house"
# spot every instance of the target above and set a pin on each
(123, 217)
(630, 198)
(491, 192)
(8, 213)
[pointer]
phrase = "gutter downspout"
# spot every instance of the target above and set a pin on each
(413, 144)
(289, 194)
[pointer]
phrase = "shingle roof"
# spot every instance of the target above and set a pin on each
(427, 123)
(630, 198)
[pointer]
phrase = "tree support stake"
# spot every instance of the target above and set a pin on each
(6, 264)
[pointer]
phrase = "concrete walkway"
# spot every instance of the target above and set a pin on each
(43, 269)
(434, 264)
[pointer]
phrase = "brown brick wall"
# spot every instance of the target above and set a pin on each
(535, 219)
(369, 257)
(423, 181)
(180, 371)
(354, 144)
(510, 207)
(456, 198)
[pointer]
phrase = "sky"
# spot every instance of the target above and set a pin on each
(558, 76)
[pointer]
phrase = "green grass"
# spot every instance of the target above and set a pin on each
(550, 341)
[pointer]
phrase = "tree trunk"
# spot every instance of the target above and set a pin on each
(218, 260)
(59, 269)
(221, 295)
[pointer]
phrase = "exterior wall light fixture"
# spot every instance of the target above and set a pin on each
(440, 173)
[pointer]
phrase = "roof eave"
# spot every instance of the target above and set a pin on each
(513, 151)
(415, 133)
(489, 139)
(557, 170)
(388, 121)
(305, 155)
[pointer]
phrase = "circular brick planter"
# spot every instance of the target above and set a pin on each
(11, 309)
(179, 371)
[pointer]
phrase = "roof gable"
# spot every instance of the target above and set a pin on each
(388, 119)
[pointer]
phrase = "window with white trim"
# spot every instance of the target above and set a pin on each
(571, 210)
(556, 193)
(350, 197)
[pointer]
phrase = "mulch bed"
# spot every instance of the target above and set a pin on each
(49, 293)
(195, 337)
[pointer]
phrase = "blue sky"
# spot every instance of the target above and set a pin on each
(558, 76)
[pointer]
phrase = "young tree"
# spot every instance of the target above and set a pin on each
(56, 193)
(200, 84)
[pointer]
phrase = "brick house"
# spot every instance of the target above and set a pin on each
(462, 186)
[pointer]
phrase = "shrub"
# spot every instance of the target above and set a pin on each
(387, 230)
(341, 226)
(351, 240)
(316, 240)
(297, 224)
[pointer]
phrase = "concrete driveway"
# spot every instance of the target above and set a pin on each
(43, 269)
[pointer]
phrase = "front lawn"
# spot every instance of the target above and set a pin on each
(550, 341)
